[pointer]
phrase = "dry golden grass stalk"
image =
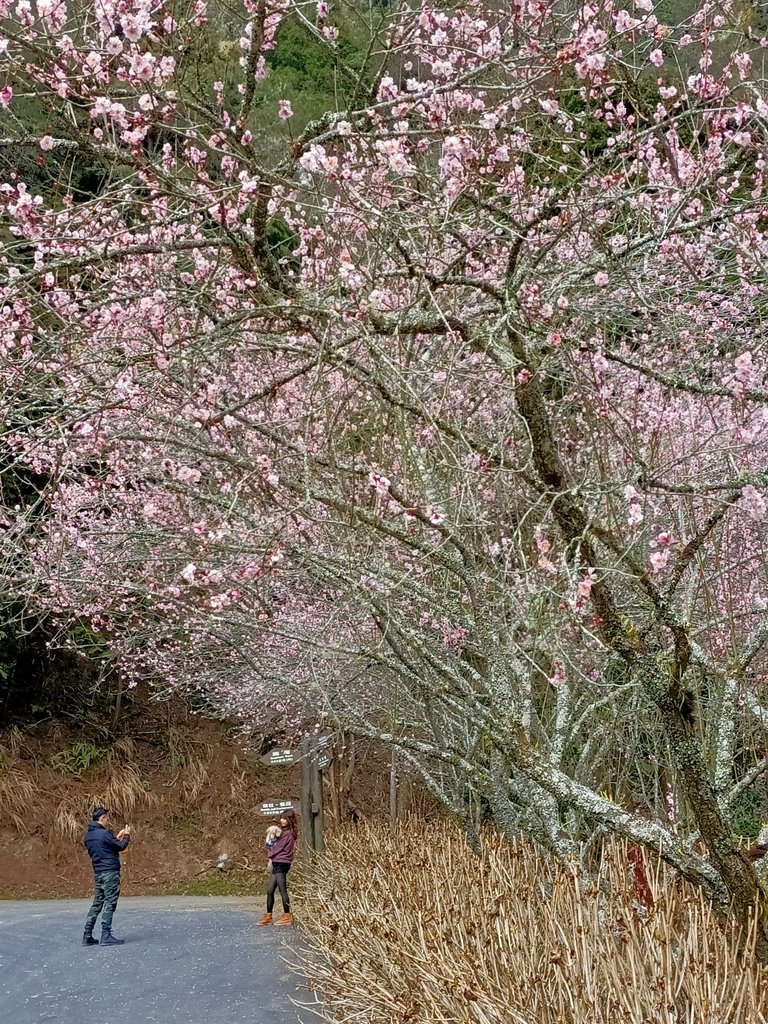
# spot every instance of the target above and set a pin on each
(408, 925)
(124, 792)
(194, 776)
(123, 749)
(179, 749)
(69, 821)
(14, 742)
(17, 790)
(238, 786)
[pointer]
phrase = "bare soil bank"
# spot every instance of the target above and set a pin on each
(188, 785)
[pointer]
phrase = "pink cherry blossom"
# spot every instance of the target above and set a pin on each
(379, 483)
(659, 560)
(754, 502)
(558, 676)
(412, 407)
(584, 587)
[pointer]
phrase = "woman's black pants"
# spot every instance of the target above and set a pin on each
(277, 881)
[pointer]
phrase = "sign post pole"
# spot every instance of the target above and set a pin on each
(307, 818)
(315, 756)
(316, 783)
(393, 786)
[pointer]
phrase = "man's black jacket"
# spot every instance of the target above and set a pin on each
(104, 848)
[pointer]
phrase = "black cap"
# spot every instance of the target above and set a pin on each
(99, 812)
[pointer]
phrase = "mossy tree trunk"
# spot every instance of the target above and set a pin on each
(661, 673)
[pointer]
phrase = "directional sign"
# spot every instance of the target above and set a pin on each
(274, 808)
(279, 756)
(322, 755)
(282, 756)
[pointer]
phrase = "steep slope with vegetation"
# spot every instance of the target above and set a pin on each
(191, 787)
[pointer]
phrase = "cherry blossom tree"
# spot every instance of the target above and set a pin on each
(448, 423)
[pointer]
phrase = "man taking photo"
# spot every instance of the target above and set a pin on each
(104, 849)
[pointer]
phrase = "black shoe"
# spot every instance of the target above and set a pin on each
(108, 939)
(88, 939)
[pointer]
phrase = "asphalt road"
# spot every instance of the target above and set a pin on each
(185, 961)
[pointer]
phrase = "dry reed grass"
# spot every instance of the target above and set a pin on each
(192, 769)
(69, 821)
(238, 785)
(17, 790)
(125, 791)
(123, 749)
(407, 925)
(114, 775)
(194, 777)
(178, 748)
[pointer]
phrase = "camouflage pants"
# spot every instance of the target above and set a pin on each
(106, 891)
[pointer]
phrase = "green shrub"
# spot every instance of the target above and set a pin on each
(77, 759)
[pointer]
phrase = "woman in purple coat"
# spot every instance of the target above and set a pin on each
(280, 854)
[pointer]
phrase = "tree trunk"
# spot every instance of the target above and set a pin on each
(662, 684)
(118, 703)
(393, 785)
(679, 721)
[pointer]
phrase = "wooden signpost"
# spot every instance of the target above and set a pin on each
(314, 756)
